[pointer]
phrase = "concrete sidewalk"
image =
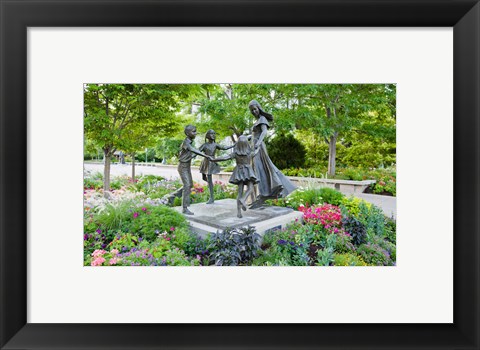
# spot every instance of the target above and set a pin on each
(387, 203)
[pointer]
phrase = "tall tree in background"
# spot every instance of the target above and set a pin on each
(331, 110)
(125, 116)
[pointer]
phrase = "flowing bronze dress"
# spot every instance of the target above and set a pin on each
(272, 183)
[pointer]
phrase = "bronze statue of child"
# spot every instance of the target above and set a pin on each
(187, 152)
(243, 174)
(207, 168)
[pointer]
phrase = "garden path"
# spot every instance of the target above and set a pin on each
(387, 203)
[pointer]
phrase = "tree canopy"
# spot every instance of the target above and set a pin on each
(354, 123)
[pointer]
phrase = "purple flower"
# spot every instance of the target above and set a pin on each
(281, 242)
(99, 231)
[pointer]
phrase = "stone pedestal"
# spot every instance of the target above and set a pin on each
(210, 218)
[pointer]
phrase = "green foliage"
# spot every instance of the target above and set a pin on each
(390, 230)
(325, 257)
(343, 243)
(234, 247)
(177, 257)
(374, 254)
(114, 216)
(128, 116)
(287, 247)
(301, 196)
(151, 221)
(389, 247)
(331, 196)
(348, 259)
(286, 151)
(124, 242)
(92, 184)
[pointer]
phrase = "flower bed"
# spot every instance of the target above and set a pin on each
(135, 227)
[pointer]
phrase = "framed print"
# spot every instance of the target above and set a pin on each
(51, 49)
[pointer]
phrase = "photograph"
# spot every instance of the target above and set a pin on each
(145, 141)
(239, 174)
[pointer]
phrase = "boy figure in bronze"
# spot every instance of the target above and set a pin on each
(187, 152)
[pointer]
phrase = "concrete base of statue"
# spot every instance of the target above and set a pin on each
(210, 218)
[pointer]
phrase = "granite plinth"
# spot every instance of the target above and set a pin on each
(210, 218)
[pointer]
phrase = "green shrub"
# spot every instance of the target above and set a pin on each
(177, 257)
(286, 151)
(92, 184)
(114, 216)
(348, 259)
(325, 257)
(124, 242)
(151, 221)
(343, 243)
(386, 245)
(354, 174)
(391, 230)
(288, 247)
(373, 254)
(197, 247)
(331, 196)
(302, 196)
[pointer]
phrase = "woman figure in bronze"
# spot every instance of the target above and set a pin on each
(272, 183)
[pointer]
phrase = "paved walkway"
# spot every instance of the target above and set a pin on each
(387, 203)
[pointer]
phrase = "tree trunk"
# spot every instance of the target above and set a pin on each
(332, 153)
(106, 172)
(133, 167)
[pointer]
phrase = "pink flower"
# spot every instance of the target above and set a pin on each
(98, 261)
(144, 209)
(113, 261)
(135, 215)
(114, 252)
(98, 253)
(172, 228)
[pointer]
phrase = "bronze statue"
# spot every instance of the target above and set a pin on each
(243, 174)
(207, 168)
(271, 182)
(187, 152)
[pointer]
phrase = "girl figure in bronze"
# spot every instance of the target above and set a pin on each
(272, 183)
(243, 174)
(207, 167)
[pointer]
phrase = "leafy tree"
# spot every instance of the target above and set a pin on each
(333, 110)
(224, 107)
(126, 116)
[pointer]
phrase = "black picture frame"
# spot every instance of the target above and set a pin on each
(18, 15)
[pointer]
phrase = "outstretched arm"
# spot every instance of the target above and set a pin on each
(196, 151)
(224, 147)
(230, 156)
